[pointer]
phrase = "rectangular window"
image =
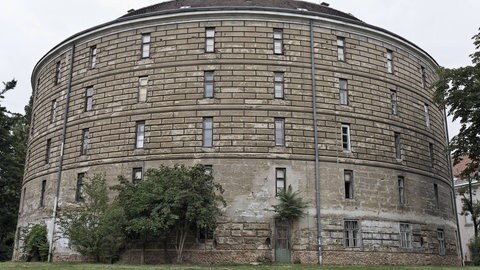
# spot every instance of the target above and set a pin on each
(42, 193)
(432, 156)
(207, 132)
(348, 178)
(405, 235)
(279, 132)
(208, 84)
(278, 41)
(351, 233)
(93, 56)
(57, 73)
(53, 111)
(208, 169)
(89, 99)
(140, 134)
(341, 48)
(79, 190)
(137, 174)
(85, 141)
(32, 122)
(401, 190)
(398, 151)
(47, 151)
(346, 137)
(278, 84)
(142, 88)
(145, 45)
(424, 76)
(441, 241)
(210, 39)
(435, 193)
(426, 108)
(23, 199)
(280, 180)
(393, 101)
(343, 91)
(389, 61)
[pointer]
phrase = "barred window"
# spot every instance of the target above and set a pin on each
(441, 241)
(351, 233)
(207, 132)
(140, 134)
(208, 84)
(278, 41)
(210, 39)
(405, 235)
(145, 45)
(278, 84)
(341, 48)
(279, 132)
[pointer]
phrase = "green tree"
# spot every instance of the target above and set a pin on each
(36, 243)
(13, 140)
(458, 90)
(290, 207)
(95, 227)
(171, 201)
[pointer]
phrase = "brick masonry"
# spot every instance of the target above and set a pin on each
(244, 155)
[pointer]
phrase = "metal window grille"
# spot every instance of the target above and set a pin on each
(405, 235)
(351, 233)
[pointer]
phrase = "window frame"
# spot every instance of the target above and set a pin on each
(145, 48)
(209, 38)
(209, 81)
(426, 109)
(343, 91)
(441, 241)
(57, 72)
(207, 132)
(341, 56)
(53, 111)
(432, 154)
(134, 171)
(42, 193)
(279, 125)
(279, 84)
(278, 41)
(394, 101)
(48, 149)
(279, 179)
(93, 57)
(423, 76)
(139, 134)
(398, 145)
(351, 234)
(349, 190)
(405, 235)
(22, 208)
(436, 195)
(142, 89)
(79, 187)
(89, 98)
(401, 190)
(346, 136)
(389, 57)
(85, 141)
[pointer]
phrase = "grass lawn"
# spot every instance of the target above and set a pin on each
(78, 266)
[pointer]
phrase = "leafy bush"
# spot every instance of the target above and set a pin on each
(474, 247)
(36, 244)
(290, 207)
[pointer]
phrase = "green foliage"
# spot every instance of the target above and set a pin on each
(458, 90)
(171, 201)
(95, 227)
(36, 244)
(474, 246)
(290, 207)
(13, 140)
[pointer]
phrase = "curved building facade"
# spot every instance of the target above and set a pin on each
(267, 94)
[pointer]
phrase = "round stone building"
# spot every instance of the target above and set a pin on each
(266, 94)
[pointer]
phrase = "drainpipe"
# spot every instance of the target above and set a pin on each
(449, 162)
(315, 140)
(60, 165)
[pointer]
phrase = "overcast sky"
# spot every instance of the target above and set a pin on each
(30, 28)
